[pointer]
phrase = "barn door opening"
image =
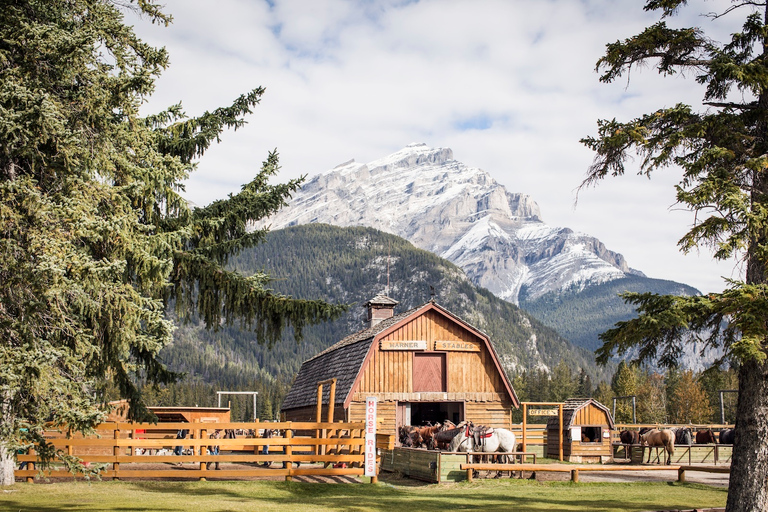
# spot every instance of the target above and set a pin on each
(429, 413)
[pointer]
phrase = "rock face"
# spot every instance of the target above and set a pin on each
(460, 213)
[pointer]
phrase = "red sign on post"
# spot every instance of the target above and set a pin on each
(370, 436)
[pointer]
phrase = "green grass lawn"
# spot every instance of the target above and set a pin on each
(235, 496)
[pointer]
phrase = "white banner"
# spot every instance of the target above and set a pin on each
(370, 436)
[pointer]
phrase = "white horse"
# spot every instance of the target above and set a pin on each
(463, 441)
(498, 440)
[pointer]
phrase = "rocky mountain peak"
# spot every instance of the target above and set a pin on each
(458, 212)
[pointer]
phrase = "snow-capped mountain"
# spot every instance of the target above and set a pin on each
(460, 213)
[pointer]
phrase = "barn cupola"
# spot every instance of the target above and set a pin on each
(380, 308)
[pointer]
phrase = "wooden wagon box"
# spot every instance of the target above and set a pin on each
(427, 465)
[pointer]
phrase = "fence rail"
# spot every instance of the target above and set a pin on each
(576, 469)
(140, 450)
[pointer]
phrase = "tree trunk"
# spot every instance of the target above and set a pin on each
(7, 465)
(749, 466)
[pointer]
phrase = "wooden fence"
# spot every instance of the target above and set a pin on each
(141, 450)
(694, 427)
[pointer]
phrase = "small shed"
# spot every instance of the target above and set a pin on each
(587, 426)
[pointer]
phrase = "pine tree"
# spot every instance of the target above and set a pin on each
(562, 384)
(604, 394)
(623, 385)
(651, 398)
(721, 150)
(95, 239)
(689, 403)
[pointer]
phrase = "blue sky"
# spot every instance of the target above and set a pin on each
(509, 85)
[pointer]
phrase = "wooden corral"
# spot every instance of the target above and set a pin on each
(136, 450)
(587, 427)
(424, 365)
(684, 454)
(119, 413)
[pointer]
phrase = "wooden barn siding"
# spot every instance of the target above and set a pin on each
(493, 414)
(590, 416)
(391, 371)
(385, 413)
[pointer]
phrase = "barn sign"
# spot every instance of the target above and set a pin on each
(457, 346)
(543, 412)
(370, 436)
(403, 345)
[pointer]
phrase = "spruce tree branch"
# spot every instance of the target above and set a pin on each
(740, 106)
(714, 15)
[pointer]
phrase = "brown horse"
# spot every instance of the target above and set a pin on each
(657, 439)
(727, 435)
(705, 437)
(628, 438)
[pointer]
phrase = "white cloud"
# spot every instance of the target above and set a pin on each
(508, 85)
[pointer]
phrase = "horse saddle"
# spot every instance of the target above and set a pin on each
(481, 433)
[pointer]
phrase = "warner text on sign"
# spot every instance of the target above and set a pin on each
(370, 436)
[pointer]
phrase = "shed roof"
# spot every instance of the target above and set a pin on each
(345, 360)
(571, 407)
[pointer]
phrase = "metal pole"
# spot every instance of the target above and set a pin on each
(722, 409)
(634, 410)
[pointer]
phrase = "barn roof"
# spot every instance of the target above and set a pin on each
(571, 407)
(344, 361)
(340, 361)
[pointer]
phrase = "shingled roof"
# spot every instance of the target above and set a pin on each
(571, 407)
(341, 361)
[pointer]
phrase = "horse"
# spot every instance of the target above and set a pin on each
(683, 435)
(410, 437)
(492, 440)
(442, 439)
(656, 439)
(628, 438)
(427, 433)
(727, 435)
(462, 441)
(705, 437)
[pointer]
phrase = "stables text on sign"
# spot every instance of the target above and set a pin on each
(403, 345)
(542, 412)
(457, 346)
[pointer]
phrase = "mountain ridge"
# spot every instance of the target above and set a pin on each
(460, 213)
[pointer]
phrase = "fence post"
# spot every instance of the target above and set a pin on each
(116, 452)
(288, 452)
(681, 475)
(203, 451)
(575, 476)
(31, 465)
